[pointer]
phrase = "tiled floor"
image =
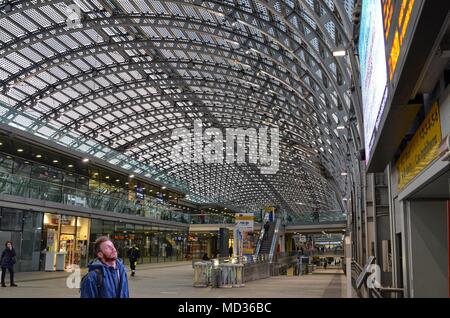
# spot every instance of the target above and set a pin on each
(175, 280)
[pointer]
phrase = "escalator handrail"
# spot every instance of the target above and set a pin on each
(274, 239)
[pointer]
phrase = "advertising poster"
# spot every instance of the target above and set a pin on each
(244, 224)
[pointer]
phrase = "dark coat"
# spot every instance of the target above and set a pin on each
(133, 253)
(8, 258)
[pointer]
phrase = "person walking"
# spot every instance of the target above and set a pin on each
(107, 277)
(133, 256)
(7, 261)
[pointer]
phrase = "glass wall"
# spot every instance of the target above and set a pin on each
(155, 243)
(38, 238)
(27, 179)
(24, 229)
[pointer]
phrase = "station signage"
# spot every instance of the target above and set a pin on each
(398, 19)
(422, 150)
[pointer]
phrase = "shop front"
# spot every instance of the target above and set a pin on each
(56, 242)
(156, 243)
(65, 241)
(199, 244)
(420, 183)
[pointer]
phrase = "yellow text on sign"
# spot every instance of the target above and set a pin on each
(422, 150)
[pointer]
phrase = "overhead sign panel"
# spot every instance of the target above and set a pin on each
(422, 150)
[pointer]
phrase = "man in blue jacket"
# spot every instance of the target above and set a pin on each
(106, 277)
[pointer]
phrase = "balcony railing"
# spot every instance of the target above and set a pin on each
(95, 199)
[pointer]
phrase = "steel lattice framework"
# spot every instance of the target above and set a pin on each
(114, 78)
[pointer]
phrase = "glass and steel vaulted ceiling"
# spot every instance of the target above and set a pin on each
(114, 78)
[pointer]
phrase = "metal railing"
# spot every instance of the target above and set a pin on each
(96, 199)
(274, 240)
(261, 235)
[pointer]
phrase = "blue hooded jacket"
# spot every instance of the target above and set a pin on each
(110, 287)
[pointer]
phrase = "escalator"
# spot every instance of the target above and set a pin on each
(267, 243)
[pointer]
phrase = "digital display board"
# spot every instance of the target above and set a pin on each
(398, 19)
(374, 73)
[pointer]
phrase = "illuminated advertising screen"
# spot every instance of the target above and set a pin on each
(374, 75)
(139, 193)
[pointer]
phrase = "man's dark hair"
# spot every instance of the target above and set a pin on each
(99, 242)
(6, 243)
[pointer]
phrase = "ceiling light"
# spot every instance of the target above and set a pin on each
(1, 144)
(107, 177)
(85, 160)
(55, 161)
(38, 156)
(117, 180)
(132, 176)
(19, 150)
(70, 166)
(163, 188)
(339, 53)
(126, 183)
(340, 127)
(343, 173)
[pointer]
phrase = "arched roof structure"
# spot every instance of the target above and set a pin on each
(114, 78)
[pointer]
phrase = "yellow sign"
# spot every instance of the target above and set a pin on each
(422, 150)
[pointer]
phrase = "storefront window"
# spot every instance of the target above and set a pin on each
(21, 167)
(96, 232)
(6, 164)
(82, 235)
(67, 239)
(50, 240)
(11, 220)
